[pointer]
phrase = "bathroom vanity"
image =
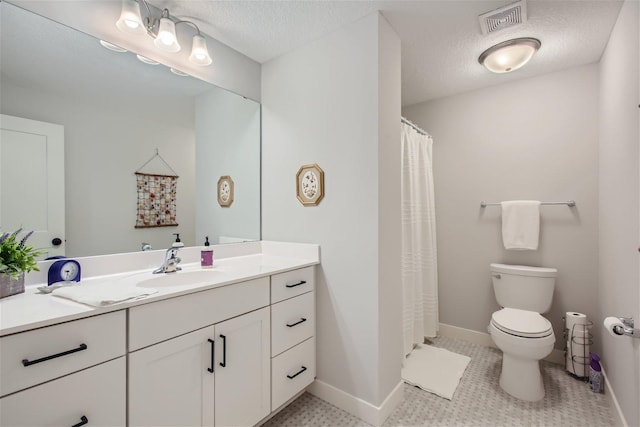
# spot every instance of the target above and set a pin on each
(225, 350)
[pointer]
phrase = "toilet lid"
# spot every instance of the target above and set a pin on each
(522, 323)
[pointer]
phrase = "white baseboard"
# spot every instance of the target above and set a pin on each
(484, 339)
(374, 415)
(613, 402)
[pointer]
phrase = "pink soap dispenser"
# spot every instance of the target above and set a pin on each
(206, 254)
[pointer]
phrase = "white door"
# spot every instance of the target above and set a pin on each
(243, 378)
(32, 181)
(171, 383)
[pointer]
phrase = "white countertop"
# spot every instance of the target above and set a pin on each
(32, 309)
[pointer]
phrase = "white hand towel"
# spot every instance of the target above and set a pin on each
(102, 295)
(520, 224)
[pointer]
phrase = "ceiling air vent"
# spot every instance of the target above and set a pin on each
(505, 17)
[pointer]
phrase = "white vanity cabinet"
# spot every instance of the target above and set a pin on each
(85, 361)
(217, 375)
(292, 334)
(220, 357)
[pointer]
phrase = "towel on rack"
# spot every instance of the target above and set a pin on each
(102, 295)
(520, 224)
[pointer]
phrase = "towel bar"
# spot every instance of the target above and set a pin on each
(569, 203)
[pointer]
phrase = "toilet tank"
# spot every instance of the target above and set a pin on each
(523, 287)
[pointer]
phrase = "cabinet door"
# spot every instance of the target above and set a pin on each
(170, 383)
(94, 396)
(243, 379)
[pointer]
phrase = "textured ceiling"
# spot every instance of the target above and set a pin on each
(441, 39)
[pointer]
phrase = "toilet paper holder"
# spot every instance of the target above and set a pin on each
(628, 328)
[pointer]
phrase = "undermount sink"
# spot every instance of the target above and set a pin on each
(181, 278)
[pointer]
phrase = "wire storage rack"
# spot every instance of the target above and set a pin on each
(578, 339)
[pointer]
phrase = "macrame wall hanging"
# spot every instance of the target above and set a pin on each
(156, 195)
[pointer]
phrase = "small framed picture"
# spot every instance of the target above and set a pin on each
(225, 191)
(310, 184)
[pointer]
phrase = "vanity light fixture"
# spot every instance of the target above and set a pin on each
(178, 72)
(147, 60)
(112, 46)
(162, 29)
(509, 55)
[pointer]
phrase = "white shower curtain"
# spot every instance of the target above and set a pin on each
(419, 259)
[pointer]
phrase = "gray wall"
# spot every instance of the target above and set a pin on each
(336, 102)
(619, 281)
(100, 161)
(531, 139)
(230, 146)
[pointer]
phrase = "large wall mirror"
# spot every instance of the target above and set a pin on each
(117, 113)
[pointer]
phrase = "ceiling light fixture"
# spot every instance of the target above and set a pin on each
(509, 55)
(112, 46)
(162, 29)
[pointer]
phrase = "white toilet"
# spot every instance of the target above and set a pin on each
(523, 335)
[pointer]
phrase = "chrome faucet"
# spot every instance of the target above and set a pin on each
(171, 261)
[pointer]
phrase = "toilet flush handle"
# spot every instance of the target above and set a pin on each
(496, 275)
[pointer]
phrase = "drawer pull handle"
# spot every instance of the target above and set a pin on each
(293, 285)
(83, 420)
(27, 362)
(213, 348)
(302, 320)
(224, 351)
(304, 368)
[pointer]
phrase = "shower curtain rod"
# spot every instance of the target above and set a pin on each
(416, 127)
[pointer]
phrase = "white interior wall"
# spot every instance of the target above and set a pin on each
(321, 103)
(227, 147)
(619, 280)
(100, 161)
(530, 139)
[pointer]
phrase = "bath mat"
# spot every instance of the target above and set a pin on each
(434, 369)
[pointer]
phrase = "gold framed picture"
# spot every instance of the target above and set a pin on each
(225, 191)
(310, 184)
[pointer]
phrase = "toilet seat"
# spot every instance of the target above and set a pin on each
(521, 323)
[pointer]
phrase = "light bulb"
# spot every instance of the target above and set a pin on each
(199, 52)
(166, 38)
(130, 20)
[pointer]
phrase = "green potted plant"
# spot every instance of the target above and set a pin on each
(16, 259)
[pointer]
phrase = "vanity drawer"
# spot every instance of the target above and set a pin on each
(292, 321)
(292, 283)
(96, 393)
(59, 350)
(292, 371)
(162, 320)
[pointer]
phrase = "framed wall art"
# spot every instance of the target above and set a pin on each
(225, 191)
(310, 184)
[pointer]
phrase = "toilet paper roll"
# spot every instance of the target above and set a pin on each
(572, 318)
(610, 323)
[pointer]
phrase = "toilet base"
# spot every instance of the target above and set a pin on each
(521, 378)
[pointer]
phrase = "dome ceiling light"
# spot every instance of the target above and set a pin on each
(509, 55)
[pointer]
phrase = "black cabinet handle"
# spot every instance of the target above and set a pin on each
(27, 362)
(304, 368)
(224, 351)
(213, 348)
(83, 420)
(293, 285)
(56, 241)
(302, 320)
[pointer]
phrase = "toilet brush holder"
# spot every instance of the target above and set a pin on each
(578, 339)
